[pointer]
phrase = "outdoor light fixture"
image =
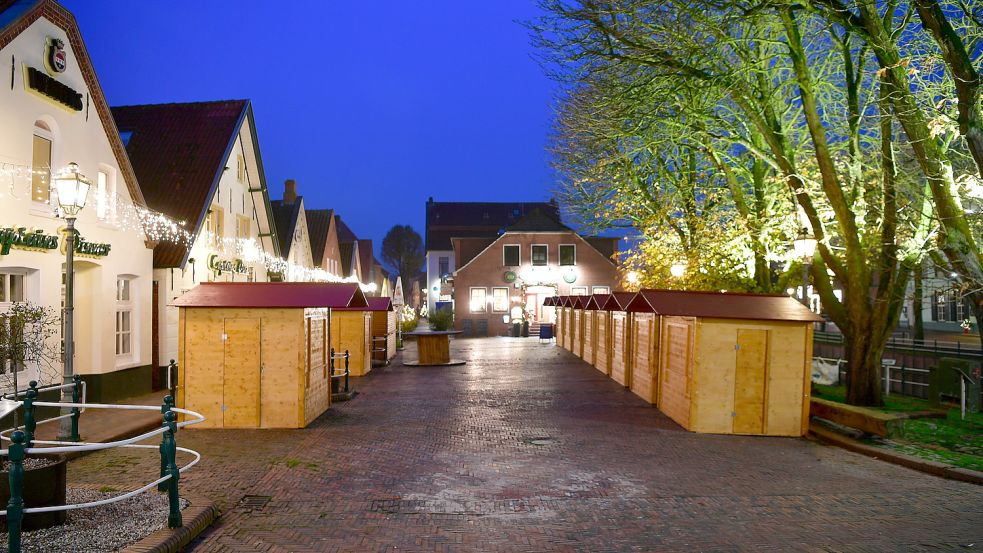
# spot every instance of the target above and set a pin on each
(505, 319)
(677, 270)
(804, 246)
(73, 188)
(632, 277)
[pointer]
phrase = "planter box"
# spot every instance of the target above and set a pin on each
(43, 487)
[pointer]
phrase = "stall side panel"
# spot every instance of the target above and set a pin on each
(676, 352)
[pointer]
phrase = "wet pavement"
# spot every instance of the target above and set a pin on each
(527, 448)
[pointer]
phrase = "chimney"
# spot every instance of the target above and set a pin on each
(289, 192)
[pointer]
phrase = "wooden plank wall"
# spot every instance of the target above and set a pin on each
(590, 336)
(317, 392)
(352, 331)
(602, 357)
(577, 332)
(645, 360)
(384, 324)
(241, 378)
(676, 360)
(619, 347)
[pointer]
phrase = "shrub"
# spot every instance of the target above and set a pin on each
(442, 319)
(408, 325)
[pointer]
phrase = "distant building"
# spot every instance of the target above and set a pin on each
(293, 233)
(448, 220)
(324, 240)
(509, 276)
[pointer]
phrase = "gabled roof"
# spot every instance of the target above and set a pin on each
(318, 226)
(273, 294)
(285, 216)
(539, 221)
(365, 258)
(578, 302)
(618, 301)
(347, 252)
(550, 301)
(179, 152)
(376, 303)
(345, 233)
(721, 305)
(446, 220)
(596, 302)
(607, 246)
(16, 16)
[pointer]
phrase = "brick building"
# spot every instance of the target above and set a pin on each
(511, 274)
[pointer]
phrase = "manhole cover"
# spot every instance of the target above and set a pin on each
(254, 502)
(542, 440)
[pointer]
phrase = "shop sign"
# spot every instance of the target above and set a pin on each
(19, 238)
(48, 86)
(509, 276)
(227, 265)
(85, 248)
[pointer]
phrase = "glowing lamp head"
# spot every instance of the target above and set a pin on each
(73, 189)
(632, 277)
(677, 270)
(804, 245)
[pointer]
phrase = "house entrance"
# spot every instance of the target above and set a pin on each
(535, 295)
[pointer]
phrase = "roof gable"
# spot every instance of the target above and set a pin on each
(286, 216)
(446, 220)
(319, 226)
(618, 301)
(539, 221)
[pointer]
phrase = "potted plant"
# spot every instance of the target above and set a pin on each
(441, 320)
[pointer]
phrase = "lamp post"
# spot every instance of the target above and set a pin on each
(805, 248)
(72, 188)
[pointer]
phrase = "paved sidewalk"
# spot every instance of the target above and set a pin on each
(528, 449)
(102, 425)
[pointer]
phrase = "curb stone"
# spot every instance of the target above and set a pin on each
(198, 515)
(941, 470)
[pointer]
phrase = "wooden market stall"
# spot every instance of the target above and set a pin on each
(577, 304)
(591, 333)
(255, 355)
(643, 340)
(351, 331)
(382, 331)
(729, 363)
(620, 323)
(563, 321)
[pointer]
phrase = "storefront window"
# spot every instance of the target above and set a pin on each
(500, 300)
(478, 300)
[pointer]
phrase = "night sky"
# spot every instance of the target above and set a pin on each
(371, 106)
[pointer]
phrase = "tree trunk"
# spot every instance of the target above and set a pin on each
(863, 379)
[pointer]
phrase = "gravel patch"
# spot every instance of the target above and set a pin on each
(31, 463)
(97, 529)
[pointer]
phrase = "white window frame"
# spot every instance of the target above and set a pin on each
(50, 137)
(532, 258)
(518, 257)
(600, 290)
(559, 255)
(579, 290)
(483, 303)
(5, 276)
(495, 308)
(124, 305)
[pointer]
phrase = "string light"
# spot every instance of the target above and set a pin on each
(158, 227)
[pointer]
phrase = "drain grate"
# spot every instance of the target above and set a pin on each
(254, 502)
(541, 440)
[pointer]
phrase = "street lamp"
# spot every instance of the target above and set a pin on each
(72, 188)
(805, 248)
(678, 269)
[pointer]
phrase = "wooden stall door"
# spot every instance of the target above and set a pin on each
(749, 381)
(201, 374)
(242, 373)
(677, 370)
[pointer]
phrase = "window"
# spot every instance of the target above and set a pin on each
(443, 265)
(243, 228)
(124, 317)
(11, 287)
(214, 224)
(578, 291)
(601, 290)
(539, 254)
(510, 254)
(568, 254)
(41, 166)
(478, 301)
(500, 300)
(240, 168)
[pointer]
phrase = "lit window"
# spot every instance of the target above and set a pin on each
(578, 291)
(539, 255)
(500, 300)
(510, 254)
(244, 228)
(124, 317)
(215, 223)
(478, 301)
(601, 290)
(101, 194)
(568, 254)
(41, 166)
(11, 287)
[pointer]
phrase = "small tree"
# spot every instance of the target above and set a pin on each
(402, 249)
(28, 336)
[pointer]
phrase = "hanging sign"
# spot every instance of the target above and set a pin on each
(19, 238)
(398, 293)
(227, 265)
(57, 57)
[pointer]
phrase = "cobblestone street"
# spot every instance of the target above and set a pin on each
(527, 448)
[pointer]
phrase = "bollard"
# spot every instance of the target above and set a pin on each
(346, 371)
(170, 452)
(30, 423)
(164, 409)
(76, 397)
(15, 507)
(172, 378)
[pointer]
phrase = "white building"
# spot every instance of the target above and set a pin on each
(53, 113)
(200, 163)
(292, 231)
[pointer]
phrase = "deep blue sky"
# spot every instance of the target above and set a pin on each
(371, 106)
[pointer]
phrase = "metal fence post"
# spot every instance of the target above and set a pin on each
(172, 379)
(164, 409)
(346, 371)
(30, 422)
(170, 451)
(334, 381)
(15, 507)
(76, 397)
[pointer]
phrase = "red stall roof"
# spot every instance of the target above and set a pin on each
(375, 304)
(722, 305)
(549, 301)
(618, 301)
(273, 294)
(597, 302)
(578, 302)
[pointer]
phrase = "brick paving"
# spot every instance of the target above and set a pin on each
(528, 449)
